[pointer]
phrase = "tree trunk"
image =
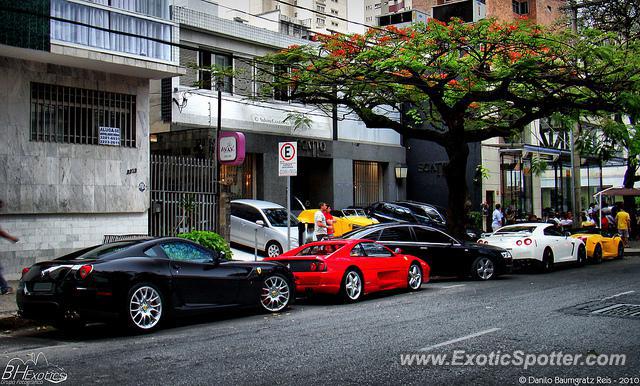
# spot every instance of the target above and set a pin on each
(630, 201)
(456, 175)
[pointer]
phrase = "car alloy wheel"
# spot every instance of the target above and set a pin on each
(582, 255)
(484, 268)
(415, 277)
(275, 293)
(274, 249)
(352, 285)
(547, 261)
(145, 307)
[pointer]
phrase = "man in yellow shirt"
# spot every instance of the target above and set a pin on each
(623, 221)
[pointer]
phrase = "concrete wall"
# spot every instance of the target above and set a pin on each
(55, 192)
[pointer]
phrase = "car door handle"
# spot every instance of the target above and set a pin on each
(424, 248)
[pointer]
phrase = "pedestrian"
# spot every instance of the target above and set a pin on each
(330, 222)
(623, 221)
(4, 286)
(497, 218)
(320, 221)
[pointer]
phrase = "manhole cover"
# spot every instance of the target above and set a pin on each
(625, 310)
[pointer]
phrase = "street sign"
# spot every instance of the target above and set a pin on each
(288, 159)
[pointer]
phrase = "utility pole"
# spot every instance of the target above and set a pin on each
(216, 135)
(576, 183)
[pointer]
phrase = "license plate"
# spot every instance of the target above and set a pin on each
(42, 287)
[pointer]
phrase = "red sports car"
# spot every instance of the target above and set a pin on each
(352, 268)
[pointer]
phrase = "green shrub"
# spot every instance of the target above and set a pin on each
(209, 240)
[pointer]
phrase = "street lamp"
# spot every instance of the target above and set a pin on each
(401, 171)
(219, 87)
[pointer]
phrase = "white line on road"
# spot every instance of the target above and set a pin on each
(620, 294)
(454, 286)
(459, 339)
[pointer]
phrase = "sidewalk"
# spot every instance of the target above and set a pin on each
(8, 307)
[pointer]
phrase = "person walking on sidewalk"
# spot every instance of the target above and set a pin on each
(320, 228)
(4, 286)
(623, 221)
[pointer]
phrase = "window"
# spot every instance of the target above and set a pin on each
(375, 250)
(551, 231)
(334, 24)
(375, 236)
(520, 7)
(246, 212)
(278, 217)
(320, 22)
(396, 234)
(334, 11)
(424, 235)
(74, 115)
(71, 31)
(320, 250)
(179, 251)
(221, 61)
(320, 8)
(151, 252)
(367, 183)
(357, 251)
(369, 18)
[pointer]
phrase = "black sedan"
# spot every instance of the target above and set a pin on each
(142, 282)
(444, 254)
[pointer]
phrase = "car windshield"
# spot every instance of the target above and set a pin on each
(320, 250)
(515, 229)
(97, 252)
(278, 217)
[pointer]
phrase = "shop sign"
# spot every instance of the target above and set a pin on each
(231, 148)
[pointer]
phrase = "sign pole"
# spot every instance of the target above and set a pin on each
(287, 167)
(288, 211)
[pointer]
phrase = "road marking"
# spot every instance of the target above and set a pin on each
(620, 294)
(459, 339)
(454, 286)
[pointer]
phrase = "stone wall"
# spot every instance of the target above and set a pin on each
(60, 197)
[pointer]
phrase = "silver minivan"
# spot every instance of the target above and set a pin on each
(268, 219)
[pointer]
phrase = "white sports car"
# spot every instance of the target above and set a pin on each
(540, 243)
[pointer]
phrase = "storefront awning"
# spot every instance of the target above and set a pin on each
(619, 192)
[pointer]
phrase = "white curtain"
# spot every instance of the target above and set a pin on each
(136, 45)
(157, 8)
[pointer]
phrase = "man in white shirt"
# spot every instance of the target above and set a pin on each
(320, 228)
(496, 218)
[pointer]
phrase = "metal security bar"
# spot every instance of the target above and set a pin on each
(182, 195)
(74, 115)
(367, 183)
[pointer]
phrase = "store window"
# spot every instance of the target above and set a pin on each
(367, 183)
(517, 188)
(520, 7)
(242, 178)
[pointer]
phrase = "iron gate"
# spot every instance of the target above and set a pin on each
(182, 195)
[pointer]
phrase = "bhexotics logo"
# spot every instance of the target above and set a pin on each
(36, 370)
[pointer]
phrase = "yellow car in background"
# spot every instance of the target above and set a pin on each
(346, 220)
(601, 244)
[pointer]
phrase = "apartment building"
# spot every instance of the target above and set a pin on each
(75, 127)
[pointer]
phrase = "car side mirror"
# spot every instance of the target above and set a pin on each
(260, 222)
(567, 234)
(221, 255)
(397, 251)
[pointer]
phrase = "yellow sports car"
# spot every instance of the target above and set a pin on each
(345, 220)
(601, 244)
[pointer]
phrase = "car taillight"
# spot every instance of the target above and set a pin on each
(318, 266)
(528, 241)
(480, 241)
(519, 242)
(84, 271)
(24, 271)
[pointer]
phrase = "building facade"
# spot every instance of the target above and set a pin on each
(339, 160)
(75, 121)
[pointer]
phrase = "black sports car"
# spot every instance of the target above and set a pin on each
(141, 282)
(444, 254)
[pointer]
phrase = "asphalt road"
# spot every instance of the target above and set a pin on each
(318, 342)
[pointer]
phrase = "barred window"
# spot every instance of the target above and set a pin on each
(75, 115)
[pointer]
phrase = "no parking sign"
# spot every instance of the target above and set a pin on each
(288, 159)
